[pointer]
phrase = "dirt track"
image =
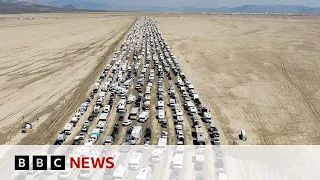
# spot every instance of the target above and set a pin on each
(257, 74)
(49, 71)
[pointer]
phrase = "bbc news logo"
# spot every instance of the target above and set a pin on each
(40, 163)
(59, 162)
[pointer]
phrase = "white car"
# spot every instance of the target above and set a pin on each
(106, 108)
(126, 123)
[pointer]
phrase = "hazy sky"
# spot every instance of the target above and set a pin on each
(203, 3)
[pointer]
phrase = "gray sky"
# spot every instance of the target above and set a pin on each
(203, 3)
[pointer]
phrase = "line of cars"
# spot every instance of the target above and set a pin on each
(192, 103)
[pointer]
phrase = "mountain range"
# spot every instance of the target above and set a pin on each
(58, 5)
(88, 4)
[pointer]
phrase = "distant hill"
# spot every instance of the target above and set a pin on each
(271, 9)
(80, 4)
(16, 8)
(25, 6)
(89, 4)
(69, 7)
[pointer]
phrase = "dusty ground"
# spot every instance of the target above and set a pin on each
(47, 68)
(257, 74)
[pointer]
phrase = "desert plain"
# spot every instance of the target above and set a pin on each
(257, 74)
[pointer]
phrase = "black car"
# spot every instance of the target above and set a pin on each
(90, 118)
(58, 142)
(116, 128)
(76, 142)
(116, 125)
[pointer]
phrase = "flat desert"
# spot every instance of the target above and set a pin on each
(261, 75)
(257, 74)
(48, 65)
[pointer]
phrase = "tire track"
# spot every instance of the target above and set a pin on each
(305, 97)
(63, 113)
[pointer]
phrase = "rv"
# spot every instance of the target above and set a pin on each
(144, 116)
(120, 172)
(135, 160)
(134, 114)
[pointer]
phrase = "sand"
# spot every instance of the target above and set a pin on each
(257, 74)
(48, 67)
